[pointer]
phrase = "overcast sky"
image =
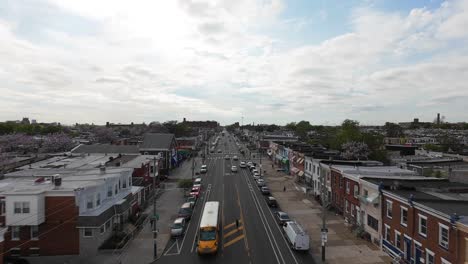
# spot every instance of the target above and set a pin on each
(270, 61)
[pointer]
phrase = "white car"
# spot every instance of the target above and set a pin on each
(234, 168)
(256, 177)
(255, 171)
(235, 158)
(203, 169)
(197, 181)
(243, 165)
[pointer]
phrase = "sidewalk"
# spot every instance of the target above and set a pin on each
(342, 246)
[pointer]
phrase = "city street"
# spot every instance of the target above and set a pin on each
(258, 239)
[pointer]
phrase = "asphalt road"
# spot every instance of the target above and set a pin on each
(258, 239)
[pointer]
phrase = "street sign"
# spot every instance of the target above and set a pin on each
(156, 216)
(324, 237)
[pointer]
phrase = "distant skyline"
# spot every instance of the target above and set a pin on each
(270, 61)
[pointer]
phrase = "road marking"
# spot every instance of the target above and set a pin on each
(232, 224)
(242, 221)
(232, 232)
(233, 241)
(208, 190)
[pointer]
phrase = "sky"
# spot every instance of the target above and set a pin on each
(262, 61)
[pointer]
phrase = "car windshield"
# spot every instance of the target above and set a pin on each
(207, 235)
(185, 211)
(176, 226)
(284, 217)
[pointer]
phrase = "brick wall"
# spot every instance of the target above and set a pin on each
(431, 241)
(337, 192)
(353, 202)
(58, 235)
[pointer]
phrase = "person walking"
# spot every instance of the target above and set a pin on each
(237, 223)
(284, 188)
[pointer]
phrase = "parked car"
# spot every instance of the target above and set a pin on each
(185, 211)
(234, 168)
(197, 181)
(256, 177)
(265, 190)
(271, 201)
(260, 183)
(220, 151)
(203, 169)
(282, 217)
(192, 200)
(195, 192)
(235, 158)
(252, 167)
(242, 165)
(297, 237)
(254, 171)
(226, 157)
(178, 227)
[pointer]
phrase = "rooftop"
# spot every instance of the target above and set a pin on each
(106, 148)
(157, 141)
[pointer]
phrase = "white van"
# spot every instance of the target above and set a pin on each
(296, 236)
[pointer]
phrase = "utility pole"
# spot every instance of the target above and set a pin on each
(324, 230)
(193, 167)
(155, 218)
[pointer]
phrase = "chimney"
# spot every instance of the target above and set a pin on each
(57, 182)
(438, 118)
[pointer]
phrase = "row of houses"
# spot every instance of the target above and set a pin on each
(414, 218)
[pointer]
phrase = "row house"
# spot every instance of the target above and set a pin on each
(54, 212)
(164, 145)
(425, 223)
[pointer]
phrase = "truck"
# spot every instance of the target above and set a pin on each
(297, 237)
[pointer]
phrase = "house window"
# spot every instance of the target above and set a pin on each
(2, 205)
(422, 225)
(109, 191)
(129, 181)
(116, 189)
(89, 202)
(352, 209)
(34, 232)
(341, 183)
(347, 187)
(387, 233)
(102, 229)
(430, 258)
(124, 184)
(88, 232)
(346, 206)
(389, 209)
(15, 233)
(444, 261)
(34, 251)
(397, 239)
(366, 193)
(443, 236)
(356, 191)
(108, 224)
(373, 223)
(98, 199)
(404, 216)
(21, 207)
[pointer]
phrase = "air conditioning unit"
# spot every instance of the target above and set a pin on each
(444, 244)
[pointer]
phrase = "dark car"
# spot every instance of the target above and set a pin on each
(271, 201)
(282, 217)
(185, 211)
(15, 260)
(265, 190)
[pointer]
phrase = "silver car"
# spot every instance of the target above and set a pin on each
(178, 227)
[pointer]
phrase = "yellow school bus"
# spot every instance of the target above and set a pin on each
(208, 235)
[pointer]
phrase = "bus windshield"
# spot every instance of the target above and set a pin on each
(208, 235)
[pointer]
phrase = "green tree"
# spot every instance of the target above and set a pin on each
(393, 130)
(291, 126)
(302, 128)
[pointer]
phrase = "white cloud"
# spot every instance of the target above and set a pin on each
(160, 60)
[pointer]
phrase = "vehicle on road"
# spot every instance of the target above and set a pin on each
(260, 183)
(208, 237)
(234, 168)
(197, 181)
(203, 169)
(185, 211)
(235, 158)
(220, 151)
(226, 157)
(195, 191)
(255, 171)
(297, 237)
(192, 200)
(265, 190)
(242, 165)
(252, 167)
(178, 227)
(271, 201)
(282, 217)
(256, 177)
(197, 185)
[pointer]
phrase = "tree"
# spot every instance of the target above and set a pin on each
(104, 134)
(393, 130)
(348, 132)
(302, 128)
(291, 126)
(57, 143)
(355, 150)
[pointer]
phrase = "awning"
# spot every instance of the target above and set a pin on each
(293, 158)
(294, 170)
(300, 174)
(300, 161)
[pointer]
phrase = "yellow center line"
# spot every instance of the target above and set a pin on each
(242, 220)
(233, 231)
(233, 241)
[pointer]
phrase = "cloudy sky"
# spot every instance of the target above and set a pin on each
(270, 61)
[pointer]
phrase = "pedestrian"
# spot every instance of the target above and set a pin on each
(237, 223)
(272, 166)
(284, 188)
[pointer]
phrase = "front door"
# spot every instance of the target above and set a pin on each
(417, 254)
(407, 248)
